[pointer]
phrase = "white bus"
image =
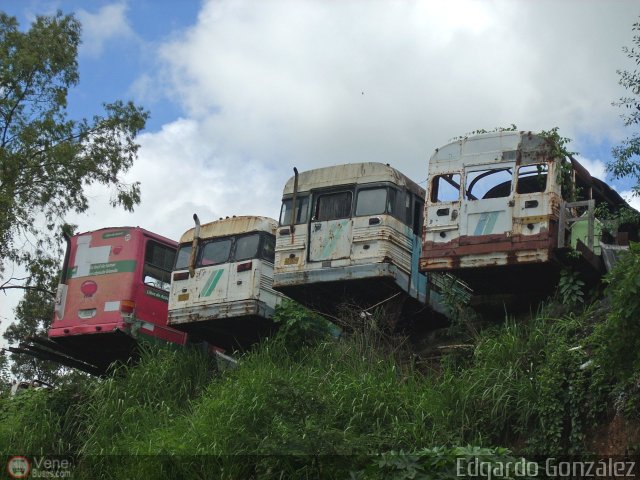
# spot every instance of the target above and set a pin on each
(354, 237)
(503, 209)
(221, 288)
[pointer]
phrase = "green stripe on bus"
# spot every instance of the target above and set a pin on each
(212, 282)
(106, 268)
(491, 222)
(118, 233)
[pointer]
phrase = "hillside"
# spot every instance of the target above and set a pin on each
(304, 404)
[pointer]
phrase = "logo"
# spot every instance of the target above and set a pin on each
(18, 467)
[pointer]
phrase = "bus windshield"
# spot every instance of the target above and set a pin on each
(182, 259)
(302, 207)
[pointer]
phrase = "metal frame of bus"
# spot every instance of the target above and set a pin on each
(476, 231)
(230, 301)
(359, 249)
(109, 298)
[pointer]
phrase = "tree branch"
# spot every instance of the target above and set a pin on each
(25, 287)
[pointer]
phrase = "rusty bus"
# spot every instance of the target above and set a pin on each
(221, 288)
(504, 201)
(113, 293)
(351, 233)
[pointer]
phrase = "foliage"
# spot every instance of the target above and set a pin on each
(47, 159)
(5, 377)
(46, 162)
(134, 403)
(624, 218)
(625, 156)
(558, 148)
(447, 463)
(619, 350)
(33, 314)
(511, 128)
(570, 287)
(299, 326)
(334, 409)
(43, 421)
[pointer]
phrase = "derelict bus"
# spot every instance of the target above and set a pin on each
(114, 292)
(351, 233)
(221, 289)
(503, 210)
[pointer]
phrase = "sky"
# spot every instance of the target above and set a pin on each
(240, 91)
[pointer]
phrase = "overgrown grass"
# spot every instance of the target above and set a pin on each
(323, 409)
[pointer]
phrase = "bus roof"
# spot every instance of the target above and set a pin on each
(488, 148)
(349, 174)
(143, 231)
(487, 145)
(232, 226)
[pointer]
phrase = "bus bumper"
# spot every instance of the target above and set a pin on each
(205, 313)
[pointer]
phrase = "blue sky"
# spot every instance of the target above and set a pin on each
(111, 61)
(241, 91)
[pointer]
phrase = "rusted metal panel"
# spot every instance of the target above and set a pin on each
(351, 174)
(232, 226)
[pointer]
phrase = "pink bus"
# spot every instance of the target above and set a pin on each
(114, 291)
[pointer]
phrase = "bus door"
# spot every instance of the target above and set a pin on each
(487, 205)
(331, 228)
(443, 208)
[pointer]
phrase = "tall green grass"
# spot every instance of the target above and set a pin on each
(321, 409)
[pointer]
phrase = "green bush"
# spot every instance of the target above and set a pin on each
(619, 350)
(325, 407)
(43, 421)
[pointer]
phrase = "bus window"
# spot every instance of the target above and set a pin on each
(408, 218)
(445, 188)
(182, 259)
(269, 248)
(302, 207)
(532, 178)
(332, 206)
(395, 204)
(372, 201)
(158, 260)
(492, 183)
(247, 247)
(216, 251)
(418, 212)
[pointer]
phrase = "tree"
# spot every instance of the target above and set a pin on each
(626, 161)
(47, 159)
(5, 379)
(33, 317)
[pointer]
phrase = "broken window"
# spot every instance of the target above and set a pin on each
(532, 178)
(445, 188)
(489, 183)
(332, 206)
(158, 260)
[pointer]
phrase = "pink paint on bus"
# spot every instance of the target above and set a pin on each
(115, 281)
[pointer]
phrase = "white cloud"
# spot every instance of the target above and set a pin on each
(108, 23)
(597, 168)
(315, 83)
(182, 173)
(632, 200)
